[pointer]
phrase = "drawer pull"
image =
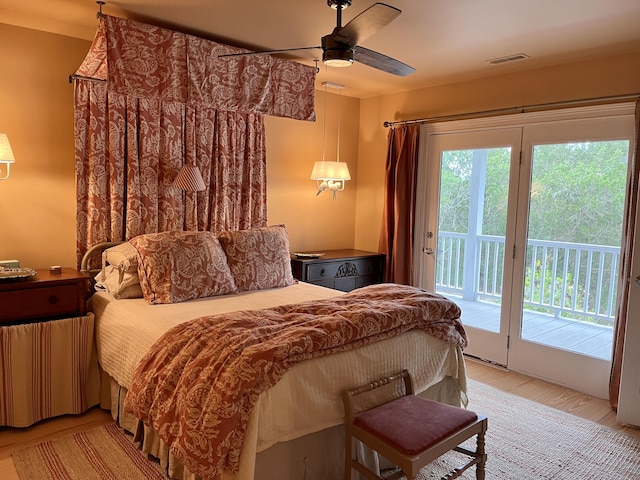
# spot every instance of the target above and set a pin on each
(347, 269)
(54, 299)
(322, 272)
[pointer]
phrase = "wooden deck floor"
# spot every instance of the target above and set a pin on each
(580, 337)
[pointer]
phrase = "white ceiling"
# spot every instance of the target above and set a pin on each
(444, 40)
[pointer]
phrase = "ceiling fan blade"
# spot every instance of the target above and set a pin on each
(366, 24)
(262, 52)
(381, 62)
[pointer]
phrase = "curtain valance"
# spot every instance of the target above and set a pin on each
(146, 61)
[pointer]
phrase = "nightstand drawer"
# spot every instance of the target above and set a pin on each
(43, 297)
(341, 269)
(38, 302)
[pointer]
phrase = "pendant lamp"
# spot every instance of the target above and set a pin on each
(330, 175)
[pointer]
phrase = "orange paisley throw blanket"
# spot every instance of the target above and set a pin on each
(197, 385)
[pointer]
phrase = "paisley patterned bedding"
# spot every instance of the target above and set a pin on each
(204, 427)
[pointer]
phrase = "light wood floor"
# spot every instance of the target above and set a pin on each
(585, 406)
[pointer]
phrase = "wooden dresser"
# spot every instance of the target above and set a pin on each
(48, 362)
(340, 269)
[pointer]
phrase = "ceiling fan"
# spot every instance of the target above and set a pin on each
(341, 47)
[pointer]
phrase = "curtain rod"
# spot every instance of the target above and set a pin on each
(523, 109)
(72, 77)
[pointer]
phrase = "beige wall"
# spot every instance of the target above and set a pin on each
(37, 202)
(604, 77)
(315, 223)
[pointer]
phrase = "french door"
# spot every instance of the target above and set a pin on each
(519, 223)
(459, 233)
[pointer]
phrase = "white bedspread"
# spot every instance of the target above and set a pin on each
(307, 399)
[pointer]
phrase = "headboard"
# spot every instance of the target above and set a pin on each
(93, 251)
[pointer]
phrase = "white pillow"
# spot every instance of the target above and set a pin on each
(121, 284)
(123, 256)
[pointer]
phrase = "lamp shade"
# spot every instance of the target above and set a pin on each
(6, 154)
(190, 179)
(330, 171)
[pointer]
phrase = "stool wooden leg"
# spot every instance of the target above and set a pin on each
(480, 472)
(348, 452)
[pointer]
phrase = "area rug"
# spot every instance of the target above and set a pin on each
(103, 453)
(525, 440)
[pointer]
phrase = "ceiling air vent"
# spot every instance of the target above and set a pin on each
(508, 58)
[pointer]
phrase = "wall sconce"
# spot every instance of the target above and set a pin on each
(189, 179)
(330, 175)
(6, 154)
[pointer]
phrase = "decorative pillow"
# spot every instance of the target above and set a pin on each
(120, 284)
(178, 266)
(259, 258)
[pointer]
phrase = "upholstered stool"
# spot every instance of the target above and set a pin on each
(408, 430)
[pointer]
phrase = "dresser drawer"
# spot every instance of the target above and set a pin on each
(339, 269)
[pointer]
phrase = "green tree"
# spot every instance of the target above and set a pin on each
(577, 192)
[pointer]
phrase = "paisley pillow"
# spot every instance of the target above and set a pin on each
(259, 258)
(178, 266)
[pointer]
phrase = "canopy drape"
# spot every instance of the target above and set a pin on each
(146, 61)
(149, 100)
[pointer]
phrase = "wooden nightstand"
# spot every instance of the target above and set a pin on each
(48, 360)
(44, 297)
(340, 269)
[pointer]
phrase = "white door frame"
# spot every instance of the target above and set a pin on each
(424, 223)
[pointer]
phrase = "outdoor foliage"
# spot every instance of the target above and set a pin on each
(577, 192)
(576, 197)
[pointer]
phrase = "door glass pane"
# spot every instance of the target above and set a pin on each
(573, 247)
(474, 186)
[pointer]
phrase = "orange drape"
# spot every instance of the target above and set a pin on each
(396, 238)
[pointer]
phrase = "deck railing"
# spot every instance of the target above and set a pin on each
(571, 280)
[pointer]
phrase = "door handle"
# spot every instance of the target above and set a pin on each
(428, 250)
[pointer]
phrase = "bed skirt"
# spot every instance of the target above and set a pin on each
(316, 456)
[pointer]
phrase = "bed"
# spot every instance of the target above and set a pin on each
(153, 286)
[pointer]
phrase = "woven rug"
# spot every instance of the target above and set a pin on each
(525, 441)
(104, 453)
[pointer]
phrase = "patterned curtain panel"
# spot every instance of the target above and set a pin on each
(149, 100)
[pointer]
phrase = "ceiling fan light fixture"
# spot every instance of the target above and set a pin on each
(338, 57)
(338, 3)
(341, 47)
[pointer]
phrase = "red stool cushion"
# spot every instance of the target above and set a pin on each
(412, 424)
